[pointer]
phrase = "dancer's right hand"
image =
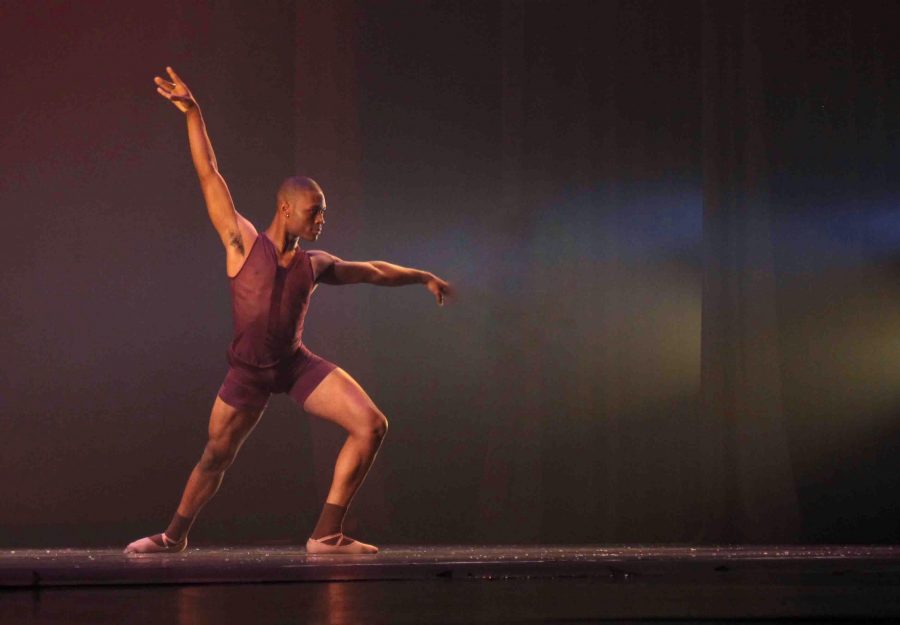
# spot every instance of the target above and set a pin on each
(175, 91)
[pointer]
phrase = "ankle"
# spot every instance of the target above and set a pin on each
(330, 521)
(178, 528)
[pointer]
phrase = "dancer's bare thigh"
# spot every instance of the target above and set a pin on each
(340, 399)
(231, 426)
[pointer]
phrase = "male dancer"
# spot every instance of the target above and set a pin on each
(272, 279)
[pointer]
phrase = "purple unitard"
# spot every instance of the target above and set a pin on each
(267, 355)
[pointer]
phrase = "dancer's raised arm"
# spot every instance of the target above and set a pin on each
(226, 220)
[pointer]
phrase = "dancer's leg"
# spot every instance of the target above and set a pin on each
(228, 429)
(339, 399)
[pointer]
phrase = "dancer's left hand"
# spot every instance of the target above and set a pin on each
(439, 288)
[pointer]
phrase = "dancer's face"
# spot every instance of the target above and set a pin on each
(307, 215)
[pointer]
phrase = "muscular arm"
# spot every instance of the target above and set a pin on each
(375, 272)
(219, 205)
(333, 270)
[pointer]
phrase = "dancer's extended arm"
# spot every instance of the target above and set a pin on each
(218, 199)
(333, 270)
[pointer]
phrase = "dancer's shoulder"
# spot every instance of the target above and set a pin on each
(321, 261)
(323, 256)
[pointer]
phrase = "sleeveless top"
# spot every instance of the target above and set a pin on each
(269, 304)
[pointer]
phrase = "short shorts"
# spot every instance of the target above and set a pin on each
(249, 387)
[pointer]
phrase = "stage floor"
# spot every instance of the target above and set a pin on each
(452, 584)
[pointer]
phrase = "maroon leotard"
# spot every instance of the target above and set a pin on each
(267, 354)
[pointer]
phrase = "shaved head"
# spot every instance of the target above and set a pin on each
(300, 208)
(297, 186)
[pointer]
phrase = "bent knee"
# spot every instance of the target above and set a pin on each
(217, 456)
(381, 426)
(373, 425)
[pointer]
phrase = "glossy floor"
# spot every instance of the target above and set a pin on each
(440, 601)
(455, 584)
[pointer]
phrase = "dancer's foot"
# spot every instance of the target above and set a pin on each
(338, 544)
(158, 543)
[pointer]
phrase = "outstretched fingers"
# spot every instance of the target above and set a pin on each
(168, 95)
(175, 91)
(174, 76)
(165, 84)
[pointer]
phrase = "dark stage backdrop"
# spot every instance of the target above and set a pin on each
(673, 227)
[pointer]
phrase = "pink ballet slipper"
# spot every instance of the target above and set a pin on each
(344, 545)
(164, 544)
